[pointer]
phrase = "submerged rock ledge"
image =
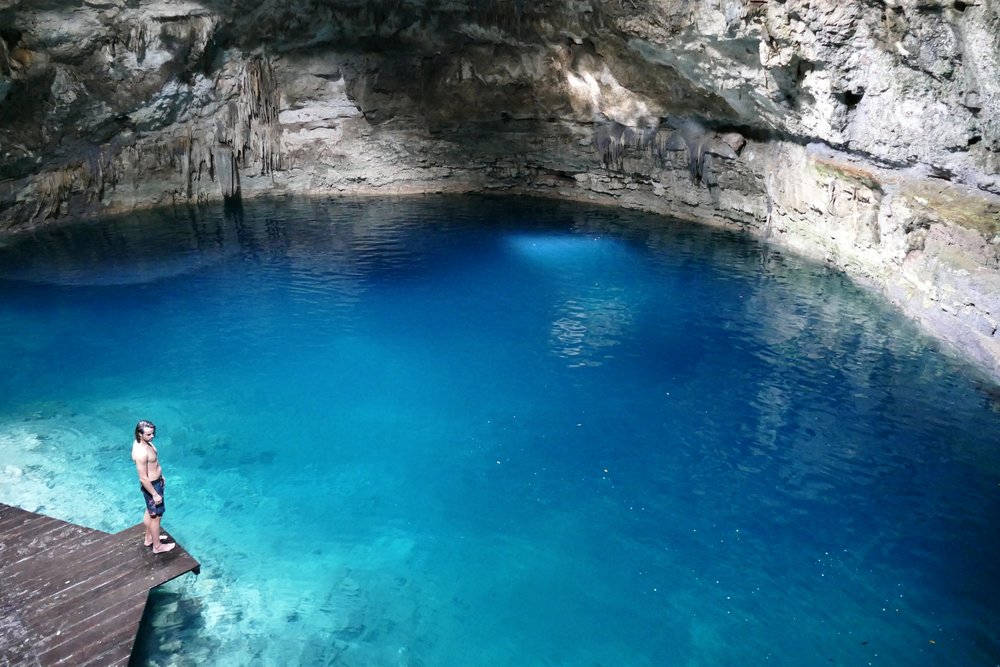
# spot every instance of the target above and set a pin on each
(864, 134)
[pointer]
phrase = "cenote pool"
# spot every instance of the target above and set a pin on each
(483, 431)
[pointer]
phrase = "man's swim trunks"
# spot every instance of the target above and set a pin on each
(151, 507)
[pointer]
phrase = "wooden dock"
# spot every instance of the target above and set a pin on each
(71, 595)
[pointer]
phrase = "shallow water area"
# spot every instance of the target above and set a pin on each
(452, 431)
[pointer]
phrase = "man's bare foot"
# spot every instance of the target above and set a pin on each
(163, 538)
(161, 548)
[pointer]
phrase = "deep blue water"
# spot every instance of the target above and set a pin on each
(483, 431)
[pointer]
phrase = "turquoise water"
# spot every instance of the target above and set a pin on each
(477, 431)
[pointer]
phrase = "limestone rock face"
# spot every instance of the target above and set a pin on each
(863, 133)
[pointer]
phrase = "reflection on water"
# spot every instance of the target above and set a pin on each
(163, 244)
(592, 316)
(587, 329)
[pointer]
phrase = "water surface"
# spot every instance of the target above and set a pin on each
(457, 431)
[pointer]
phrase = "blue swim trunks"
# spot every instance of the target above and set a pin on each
(153, 509)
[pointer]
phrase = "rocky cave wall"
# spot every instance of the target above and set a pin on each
(863, 133)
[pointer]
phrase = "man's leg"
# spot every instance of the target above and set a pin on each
(154, 531)
(147, 538)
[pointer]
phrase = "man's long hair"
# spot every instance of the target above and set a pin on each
(143, 424)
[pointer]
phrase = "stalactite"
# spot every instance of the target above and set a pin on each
(615, 141)
(54, 189)
(226, 171)
(5, 62)
(186, 167)
(510, 15)
(201, 159)
(132, 36)
(377, 14)
(250, 123)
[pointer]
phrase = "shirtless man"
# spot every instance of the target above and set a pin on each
(147, 463)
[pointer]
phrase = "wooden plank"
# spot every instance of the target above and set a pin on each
(55, 537)
(123, 565)
(29, 535)
(59, 569)
(88, 555)
(23, 537)
(116, 627)
(80, 603)
(117, 653)
(16, 641)
(73, 595)
(13, 519)
(11, 516)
